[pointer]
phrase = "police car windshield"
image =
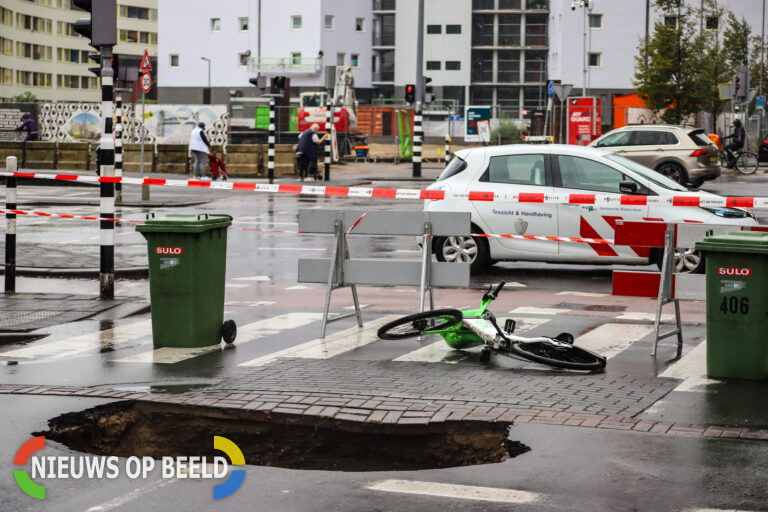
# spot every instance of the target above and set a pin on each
(646, 173)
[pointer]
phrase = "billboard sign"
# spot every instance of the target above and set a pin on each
(471, 116)
(584, 120)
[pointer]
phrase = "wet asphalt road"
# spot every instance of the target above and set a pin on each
(567, 469)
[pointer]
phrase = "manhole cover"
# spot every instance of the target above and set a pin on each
(15, 318)
(148, 429)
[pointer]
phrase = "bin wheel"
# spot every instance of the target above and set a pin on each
(229, 331)
(485, 355)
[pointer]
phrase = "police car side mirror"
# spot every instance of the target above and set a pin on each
(627, 187)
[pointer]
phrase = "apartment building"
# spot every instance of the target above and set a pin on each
(40, 52)
(232, 42)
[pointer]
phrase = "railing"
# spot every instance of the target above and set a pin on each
(289, 65)
(383, 40)
(383, 5)
(384, 76)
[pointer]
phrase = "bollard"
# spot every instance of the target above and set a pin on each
(10, 232)
(119, 148)
(107, 188)
(417, 133)
(271, 142)
(327, 144)
(447, 148)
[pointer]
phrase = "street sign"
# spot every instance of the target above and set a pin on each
(551, 89)
(760, 104)
(146, 82)
(455, 117)
(562, 90)
(146, 63)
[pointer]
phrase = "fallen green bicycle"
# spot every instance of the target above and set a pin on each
(476, 327)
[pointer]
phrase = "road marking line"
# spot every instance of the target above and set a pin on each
(253, 278)
(130, 496)
(692, 368)
(527, 310)
(245, 334)
(440, 351)
(645, 316)
(584, 294)
(85, 342)
(330, 346)
(236, 285)
(467, 492)
(300, 287)
(610, 339)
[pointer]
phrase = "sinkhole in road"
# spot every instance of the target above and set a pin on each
(152, 429)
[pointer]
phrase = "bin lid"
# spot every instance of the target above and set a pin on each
(184, 223)
(755, 242)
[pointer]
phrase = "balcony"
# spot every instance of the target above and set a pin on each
(383, 5)
(285, 65)
(383, 77)
(379, 40)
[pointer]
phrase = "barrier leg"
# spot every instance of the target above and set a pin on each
(426, 253)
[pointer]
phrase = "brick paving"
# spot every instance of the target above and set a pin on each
(422, 397)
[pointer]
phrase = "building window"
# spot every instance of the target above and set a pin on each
(359, 24)
(139, 13)
(433, 65)
(33, 79)
(133, 36)
(340, 59)
(215, 24)
(354, 60)
(242, 23)
(71, 56)
(595, 21)
(328, 23)
(242, 59)
(452, 65)
(6, 18)
(296, 58)
(373, 63)
(434, 29)
(712, 22)
(670, 21)
(34, 51)
(595, 60)
(6, 47)
(453, 29)
(296, 22)
(6, 76)
(174, 60)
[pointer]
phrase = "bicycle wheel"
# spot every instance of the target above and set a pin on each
(570, 357)
(746, 163)
(418, 323)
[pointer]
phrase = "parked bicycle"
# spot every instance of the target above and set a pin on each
(472, 328)
(744, 162)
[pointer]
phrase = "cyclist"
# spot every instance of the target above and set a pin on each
(738, 137)
(29, 125)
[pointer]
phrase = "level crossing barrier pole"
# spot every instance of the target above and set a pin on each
(119, 147)
(271, 142)
(107, 189)
(327, 145)
(417, 133)
(10, 233)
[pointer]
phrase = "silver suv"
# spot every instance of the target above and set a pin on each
(685, 155)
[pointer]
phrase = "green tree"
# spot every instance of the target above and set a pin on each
(25, 97)
(714, 68)
(670, 78)
(736, 42)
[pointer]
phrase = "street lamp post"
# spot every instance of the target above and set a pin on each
(208, 61)
(586, 5)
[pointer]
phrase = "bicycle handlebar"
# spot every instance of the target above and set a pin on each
(495, 292)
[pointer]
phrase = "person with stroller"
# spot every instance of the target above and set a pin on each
(28, 124)
(198, 145)
(307, 152)
(738, 136)
(218, 167)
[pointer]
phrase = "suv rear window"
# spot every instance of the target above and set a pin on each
(700, 138)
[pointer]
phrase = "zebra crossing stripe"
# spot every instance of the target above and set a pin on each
(119, 335)
(245, 334)
(467, 492)
(610, 339)
(330, 346)
(692, 369)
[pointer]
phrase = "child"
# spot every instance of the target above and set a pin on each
(218, 167)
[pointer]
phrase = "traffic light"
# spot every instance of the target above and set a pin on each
(428, 95)
(96, 57)
(101, 27)
(410, 93)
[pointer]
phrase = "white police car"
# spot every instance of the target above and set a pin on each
(553, 169)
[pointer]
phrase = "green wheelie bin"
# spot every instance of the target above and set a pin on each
(737, 304)
(187, 267)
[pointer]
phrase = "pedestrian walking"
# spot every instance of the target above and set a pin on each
(28, 124)
(198, 145)
(307, 152)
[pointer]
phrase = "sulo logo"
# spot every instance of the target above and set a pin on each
(734, 271)
(169, 250)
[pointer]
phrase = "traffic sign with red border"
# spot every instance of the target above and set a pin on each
(146, 64)
(146, 82)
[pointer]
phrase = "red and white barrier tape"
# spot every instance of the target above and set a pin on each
(109, 219)
(417, 194)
